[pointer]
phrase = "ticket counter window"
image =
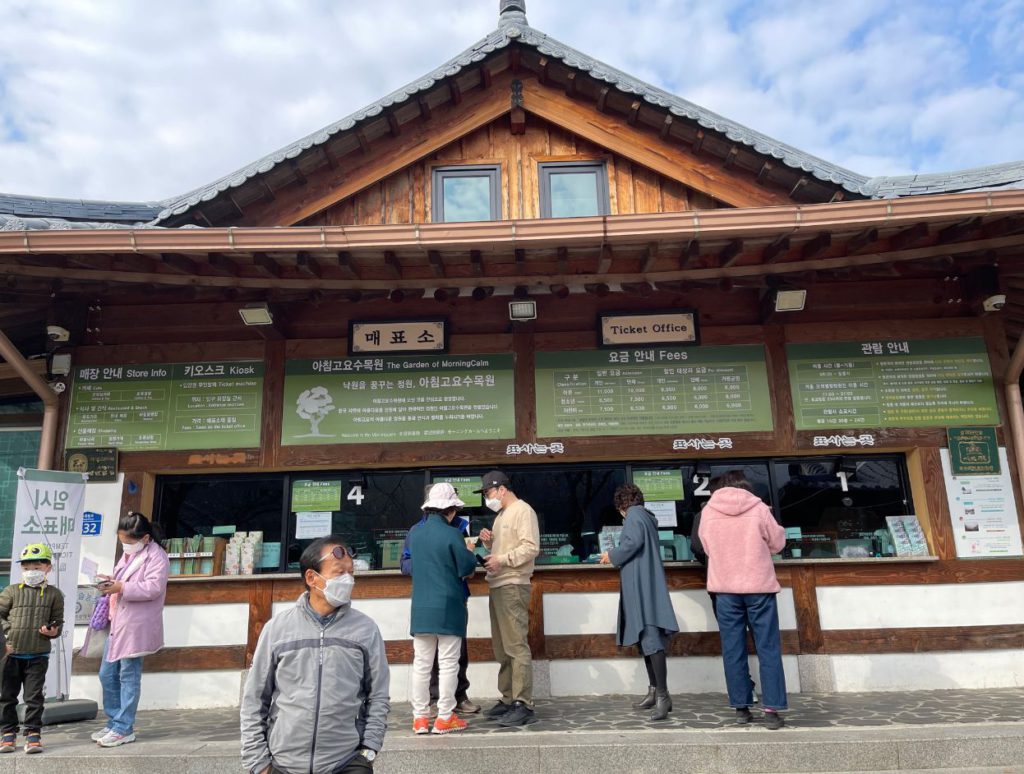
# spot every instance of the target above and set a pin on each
(837, 507)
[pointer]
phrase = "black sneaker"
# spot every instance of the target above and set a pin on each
(743, 716)
(773, 721)
(498, 710)
(519, 715)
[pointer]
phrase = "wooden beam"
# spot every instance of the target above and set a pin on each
(179, 263)
(391, 154)
(268, 264)
(698, 142)
(635, 144)
(345, 265)
(131, 262)
(456, 90)
(958, 231)
(666, 126)
(300, 177)
(425, 113)
(436, 262)
(570, 84)
(515, 59)
(393, 126)
(765, 170)
(563, 260)
(485, 76)
(329, 158)
(816, 246)
(304, 264)
(542, 70)
(268, 192)
(604, 261)
(476, 260)
(650, 257)
(690, 254)
(860, 241)
(320, 264)
(730, 253)
(908, 236)
(236, 205)
(392, 262)
(602, 99)
(223, 264)
(520, 255)
(778, 248)
(730, 157)
(634, 112)
(801, 183)
(838, 196)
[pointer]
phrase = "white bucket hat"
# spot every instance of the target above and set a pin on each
(441, 497)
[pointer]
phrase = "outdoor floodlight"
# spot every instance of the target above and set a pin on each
(256, 314)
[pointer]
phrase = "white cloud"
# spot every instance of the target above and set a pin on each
(129, 100)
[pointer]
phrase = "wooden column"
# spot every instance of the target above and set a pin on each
(261, 601)
(805, 600)
(273, 402)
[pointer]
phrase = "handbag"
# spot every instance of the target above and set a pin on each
(95, 642)
(100, 620)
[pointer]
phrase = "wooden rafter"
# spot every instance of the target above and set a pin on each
(223, 264)
(391, 262)
(908, 236)
(729, 254)
(816, 246)
(345, 265)
(776, 249)
(476, 260)
(604, 261)
(436, 263)
(690, 254)
(861, 240)
(179, 263)
(650, 257)
(271, 267)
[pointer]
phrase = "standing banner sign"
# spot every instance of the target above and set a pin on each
(49, 511)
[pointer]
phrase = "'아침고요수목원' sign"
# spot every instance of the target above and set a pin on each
(917, 383)
(167, 407)
(398, 399)
(642, 391)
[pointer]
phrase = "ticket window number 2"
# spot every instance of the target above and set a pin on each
(702, 483)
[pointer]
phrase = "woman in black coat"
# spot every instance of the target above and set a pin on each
(646, 617)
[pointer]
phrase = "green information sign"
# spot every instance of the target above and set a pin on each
(464, 485)
(398, 399)
(659, 485)
(316, 495)
(973, 451)
(639, 392)
(166, 407)
(926, 383)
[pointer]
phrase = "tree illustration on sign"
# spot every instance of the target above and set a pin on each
(314, 404)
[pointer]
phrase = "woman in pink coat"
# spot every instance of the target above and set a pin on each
(137, 592)
(739, 535)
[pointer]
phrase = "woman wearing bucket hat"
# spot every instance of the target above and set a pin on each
(438, 608)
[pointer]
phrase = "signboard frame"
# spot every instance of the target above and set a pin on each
(355, 325)
(692, 313)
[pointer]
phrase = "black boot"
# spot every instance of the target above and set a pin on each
(662, 706)
(647, 701)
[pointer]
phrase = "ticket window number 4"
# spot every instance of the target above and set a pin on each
(355, 494)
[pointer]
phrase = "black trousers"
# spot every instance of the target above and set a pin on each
(26, 676)
(462, 687)
(358, 765)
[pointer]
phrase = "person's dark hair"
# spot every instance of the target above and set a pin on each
(138, 525)
(311, 557)
(732, 478)
(627, 495)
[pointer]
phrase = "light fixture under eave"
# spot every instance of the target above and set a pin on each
(520, 311)
(790, 300)
(256, 314)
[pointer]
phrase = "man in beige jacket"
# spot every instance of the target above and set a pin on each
(514, 543)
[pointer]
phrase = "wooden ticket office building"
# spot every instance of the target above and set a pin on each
(432, 272)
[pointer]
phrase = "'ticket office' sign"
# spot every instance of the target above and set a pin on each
(648, 329)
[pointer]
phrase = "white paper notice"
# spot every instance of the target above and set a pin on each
(89, 570)
(312, 524)
(983, 511)
(665, 512)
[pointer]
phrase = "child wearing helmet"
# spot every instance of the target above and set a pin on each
(32, 615)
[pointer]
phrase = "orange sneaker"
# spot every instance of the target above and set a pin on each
(451, 725)
(421, 726)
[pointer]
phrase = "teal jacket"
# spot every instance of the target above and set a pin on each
(442, 561)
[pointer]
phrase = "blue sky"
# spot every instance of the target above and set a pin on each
(126, 99)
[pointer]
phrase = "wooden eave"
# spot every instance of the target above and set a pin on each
(600, 112)
(658, 248)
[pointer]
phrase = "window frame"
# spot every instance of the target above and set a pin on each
(545, 169)
(440, 173)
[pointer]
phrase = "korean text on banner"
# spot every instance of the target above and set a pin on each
(49, 511)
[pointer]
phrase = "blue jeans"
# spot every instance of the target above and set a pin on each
(761, 613)
(122, 686)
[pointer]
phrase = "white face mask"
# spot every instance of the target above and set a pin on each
(33, 577)
(132, 548)
(338, 591)
(494, 505)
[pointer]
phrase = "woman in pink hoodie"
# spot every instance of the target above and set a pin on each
(740, 535)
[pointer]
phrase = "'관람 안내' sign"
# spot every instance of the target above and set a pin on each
(648, 329)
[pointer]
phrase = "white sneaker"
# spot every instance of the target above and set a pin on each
(114, 739)
(97, 735)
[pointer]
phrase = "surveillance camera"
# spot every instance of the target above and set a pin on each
(56, 333)
(994, 303)
(58, 387)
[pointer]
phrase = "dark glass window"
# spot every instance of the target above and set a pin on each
(466, 193)
(573, 189)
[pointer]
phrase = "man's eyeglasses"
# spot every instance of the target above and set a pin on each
(338, 552)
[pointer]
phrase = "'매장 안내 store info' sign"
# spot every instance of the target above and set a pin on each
(917, 383)
(643, 391)
(167, 407)
(398, 399)
(983, 511)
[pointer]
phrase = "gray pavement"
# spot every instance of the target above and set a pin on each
(946, 731)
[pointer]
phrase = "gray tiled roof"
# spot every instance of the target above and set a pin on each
(25, 223)
(513, 27)
(78, 209)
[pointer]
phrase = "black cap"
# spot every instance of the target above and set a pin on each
(491, 480)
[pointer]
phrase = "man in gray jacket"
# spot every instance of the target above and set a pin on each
(316, 700)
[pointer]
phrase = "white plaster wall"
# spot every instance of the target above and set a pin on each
(598, 612)
(975, 669)
(696, 674)
(206, 624)
(885, 607)
(172, 690)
